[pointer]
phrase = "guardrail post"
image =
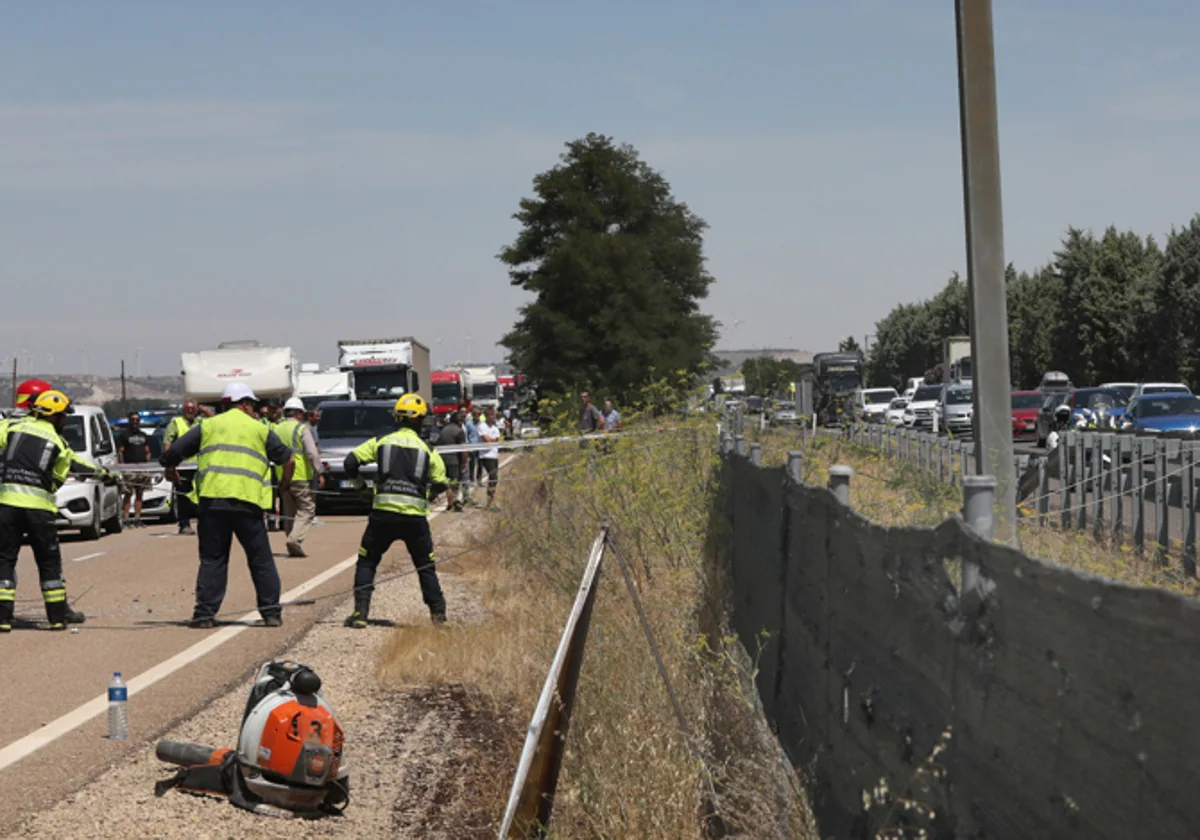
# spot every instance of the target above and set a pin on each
(1063, 450)
(1081, 470)
(739, 446)
(1161, 513)
(1120, 447)
(1043, 491)
(756, 454)
(979, 497)
(1099, 476)
(839, 483)
(1187, 503)
(1139, 495)
(795, 466)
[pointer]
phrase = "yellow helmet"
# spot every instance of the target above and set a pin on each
(50, 403)
(411, 407)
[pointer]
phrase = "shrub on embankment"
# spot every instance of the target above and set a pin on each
(629, 770)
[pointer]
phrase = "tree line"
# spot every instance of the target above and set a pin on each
(1117, 307)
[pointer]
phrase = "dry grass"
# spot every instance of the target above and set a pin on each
(895, 493)
(629, 770)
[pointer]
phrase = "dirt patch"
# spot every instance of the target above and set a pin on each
(471, 749)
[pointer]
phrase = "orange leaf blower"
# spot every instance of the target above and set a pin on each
(288, 761)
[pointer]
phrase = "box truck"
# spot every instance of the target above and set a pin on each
(386, 368)
(271, 372)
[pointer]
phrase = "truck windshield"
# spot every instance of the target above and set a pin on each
(484, 391)
(379, 384)
(312, 402)
(447, 393)
(356, 421)
(841, 383)
(73, 433)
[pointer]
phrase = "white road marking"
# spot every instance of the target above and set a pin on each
(95, 707)
(88, 556)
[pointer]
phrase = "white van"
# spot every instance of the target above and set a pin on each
(873, 403)
(84, 503)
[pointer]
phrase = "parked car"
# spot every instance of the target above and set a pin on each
(1082, 401)
(872, 403)
(1169, 414)
(86, 504)
(1161, 388)
(895, 411)
(157, 499)
(918, 414)
(785, 417)
(345, 424)
(1025, 405)
(1056, 382)
(955, 410)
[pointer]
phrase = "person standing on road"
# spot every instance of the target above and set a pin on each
(612, 420)
(35, 462)
(411, 475)
(235, 452)
(298, 502)
(456, 462)
(471, 427)
(489, 459)
(133, 447)
(185, 508)
(590, 418)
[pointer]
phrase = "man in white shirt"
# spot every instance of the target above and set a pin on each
(489, 459)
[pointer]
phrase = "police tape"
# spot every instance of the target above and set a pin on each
(498, 446)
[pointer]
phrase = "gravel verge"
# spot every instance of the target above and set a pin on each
(407, 751)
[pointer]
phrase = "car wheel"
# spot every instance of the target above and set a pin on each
(92, 531)
(114, 525)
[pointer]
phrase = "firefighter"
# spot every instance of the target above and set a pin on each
(36, 461)
(234, 481)
(411, 475)
(185, 506)
(27, 392)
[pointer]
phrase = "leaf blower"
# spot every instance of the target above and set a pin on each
(288, 760)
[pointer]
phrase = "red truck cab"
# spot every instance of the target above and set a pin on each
(448, 392)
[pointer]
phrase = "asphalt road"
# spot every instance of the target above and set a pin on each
(139, 588)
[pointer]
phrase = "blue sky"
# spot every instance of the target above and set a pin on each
(176, 174)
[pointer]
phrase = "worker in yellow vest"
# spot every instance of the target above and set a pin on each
(299, 505)
(185, 507)
(235, 453)
(410, 476)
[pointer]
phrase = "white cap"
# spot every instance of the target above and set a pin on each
(236, 392)
(294, 404)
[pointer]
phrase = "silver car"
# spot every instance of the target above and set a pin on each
(956, 410)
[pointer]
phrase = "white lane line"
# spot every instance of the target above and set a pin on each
(88, 556)
(95, 707)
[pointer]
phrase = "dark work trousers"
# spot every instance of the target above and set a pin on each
(185, 510)
(491, 466)
(473, 472)
(15, 524)
(385, 528)
(216, 529)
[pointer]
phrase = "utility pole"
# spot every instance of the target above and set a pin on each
(14, 381)
(987, 297)
(124, 401)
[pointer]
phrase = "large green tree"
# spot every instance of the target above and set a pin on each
(616, 267)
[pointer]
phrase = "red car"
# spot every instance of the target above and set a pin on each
(1025, 405)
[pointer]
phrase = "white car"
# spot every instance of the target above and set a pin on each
(894, 416)
(919, 412)
(1160, 388)
(87, 504)
(873, 403)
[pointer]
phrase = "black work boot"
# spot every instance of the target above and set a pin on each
(362, 608)
(8, 592)
(56, 614)
(438, 616)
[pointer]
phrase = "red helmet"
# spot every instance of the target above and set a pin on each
(28, 390)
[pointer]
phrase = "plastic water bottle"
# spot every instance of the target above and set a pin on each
(118, 711)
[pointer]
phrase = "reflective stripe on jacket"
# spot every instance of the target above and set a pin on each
(407, 469)
(291, 432)
(35, 464)
(233, 461)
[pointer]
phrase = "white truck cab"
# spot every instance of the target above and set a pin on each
(84, 503)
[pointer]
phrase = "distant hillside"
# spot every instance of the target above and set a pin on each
(733, 359)
(97, 390)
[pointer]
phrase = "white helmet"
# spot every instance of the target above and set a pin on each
(294, 404)
(236, 392)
